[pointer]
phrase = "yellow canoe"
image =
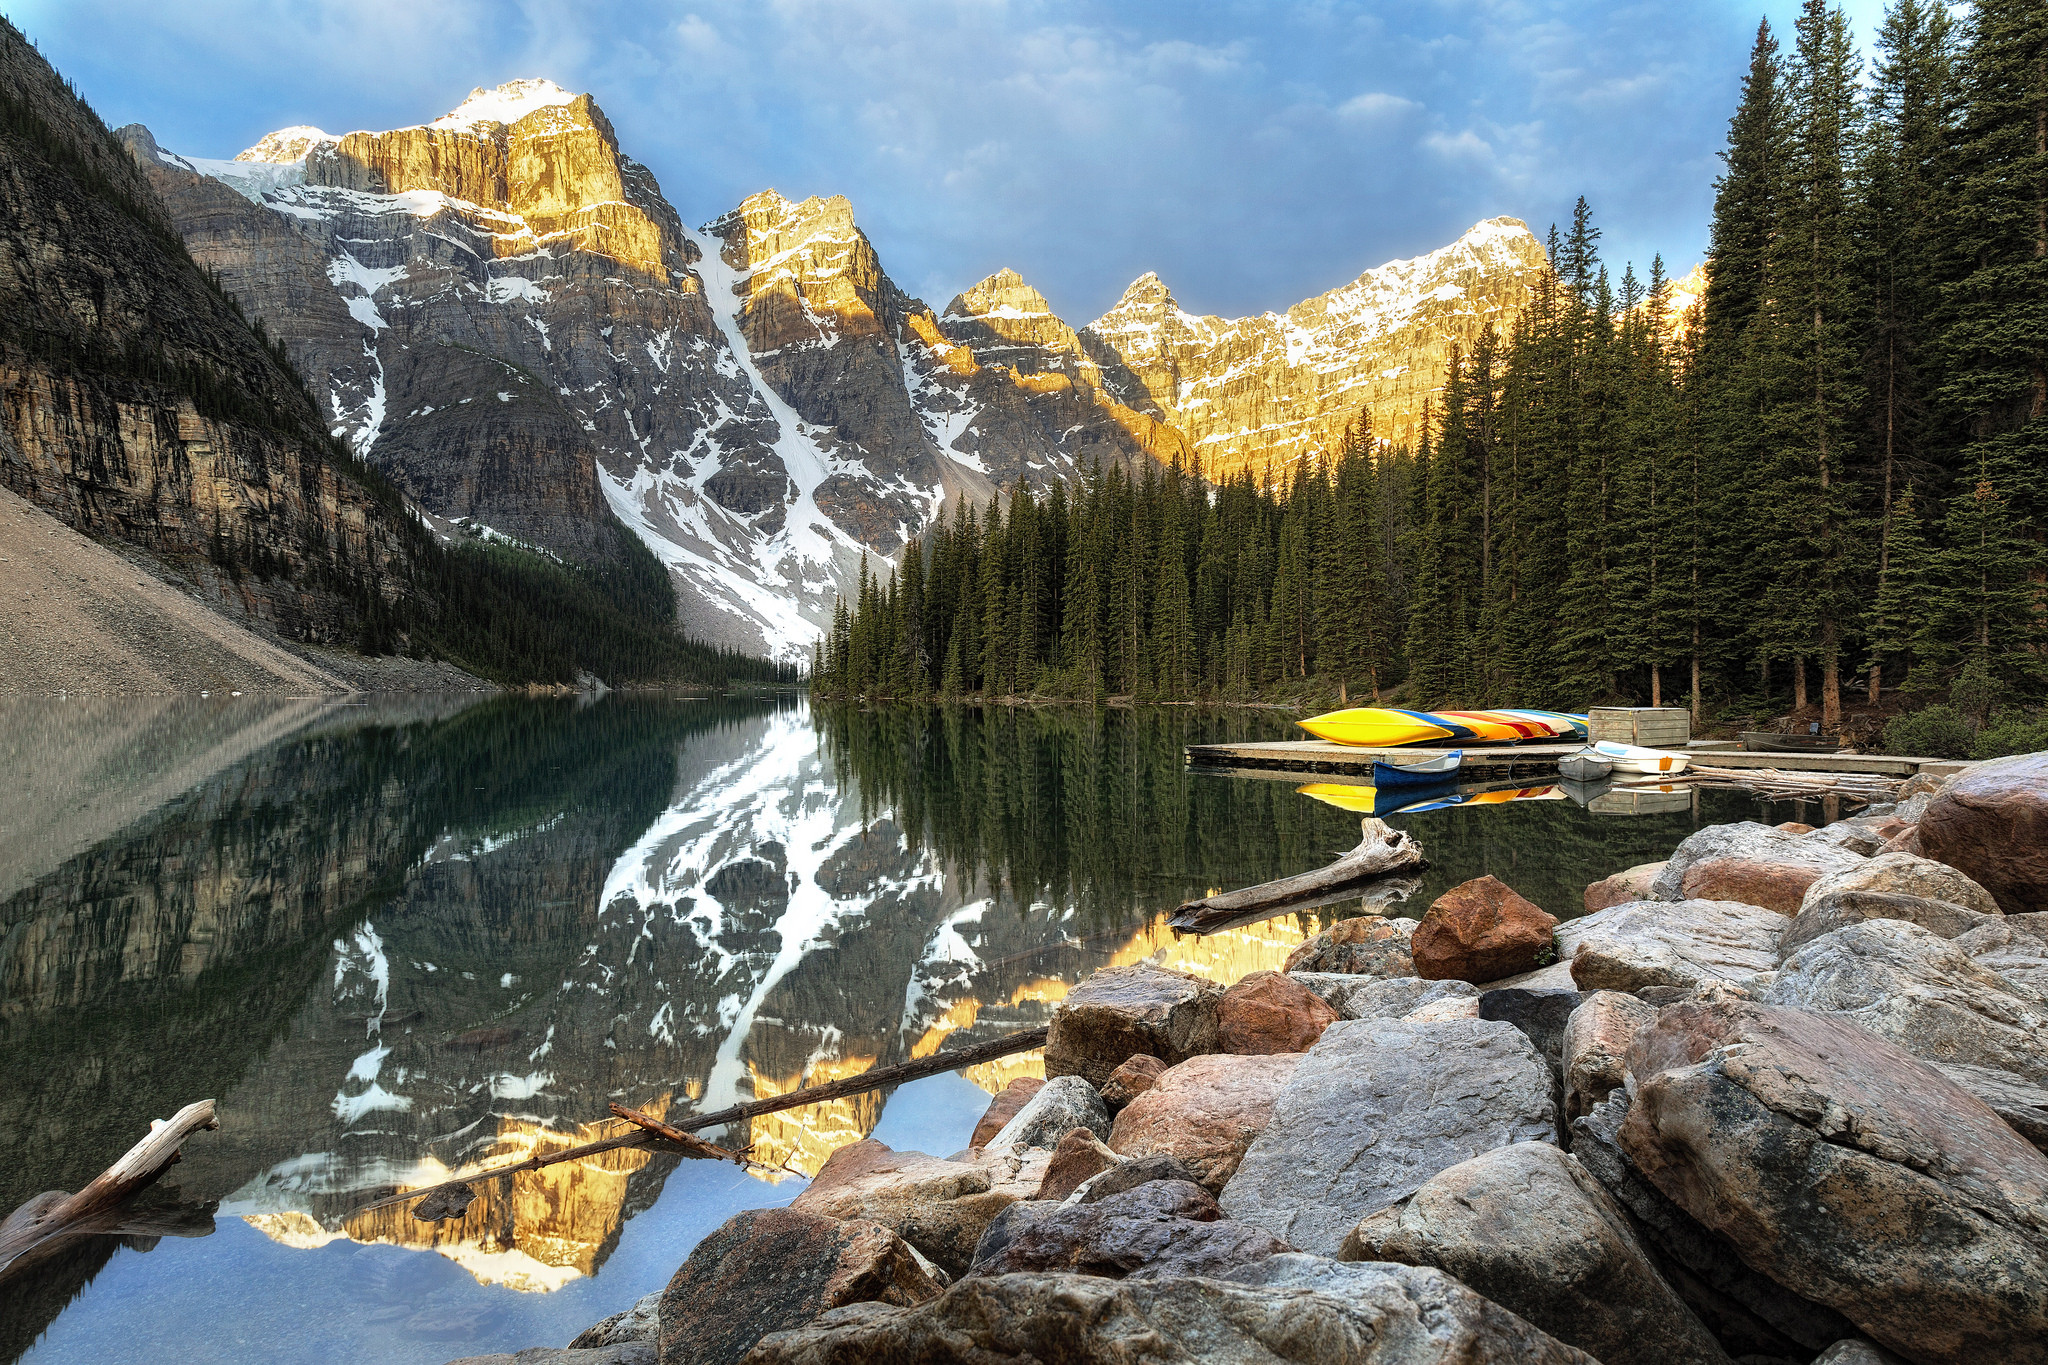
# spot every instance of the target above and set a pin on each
(1383, 727)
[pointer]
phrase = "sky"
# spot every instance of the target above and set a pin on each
(1253, 155)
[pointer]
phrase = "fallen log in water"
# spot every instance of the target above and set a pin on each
(1382, 851)
(97, 1207)
(452, 1196)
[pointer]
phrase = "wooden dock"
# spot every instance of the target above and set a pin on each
(1533, 760)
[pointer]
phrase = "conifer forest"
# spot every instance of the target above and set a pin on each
(1829, 479)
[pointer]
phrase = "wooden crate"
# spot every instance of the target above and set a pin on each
(1655, 727)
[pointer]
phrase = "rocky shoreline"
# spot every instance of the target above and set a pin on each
(1780, 1098)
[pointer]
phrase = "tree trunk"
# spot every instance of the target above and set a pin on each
(1830, 682)
(1876, 672)
(1656, 685)
(1695, 675)
(1798, 682)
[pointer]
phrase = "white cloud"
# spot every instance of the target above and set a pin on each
(1375, 104)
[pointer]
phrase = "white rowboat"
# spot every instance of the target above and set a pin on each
(1630, 758)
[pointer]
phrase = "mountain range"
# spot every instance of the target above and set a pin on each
(502, 312)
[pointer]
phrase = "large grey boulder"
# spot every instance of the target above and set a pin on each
(940, 1207)
(1748, 842)
(769, 1269)
(1920, 991)
(1376, 1108)
(1851, 1172)
(1904, 874)
(1837, 909)
(1063, 1104)
(1526, 1226)
(1377, 997)
(2016, 947)
(1670, 943)
(2022, 1104)
(1163, 1227)
(1751, 1315)
(1595, 1048)
(1121, 1011)
(1386, 1315)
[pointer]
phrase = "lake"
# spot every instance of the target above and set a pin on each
(398, 939)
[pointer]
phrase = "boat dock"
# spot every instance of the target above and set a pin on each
(1533, 760)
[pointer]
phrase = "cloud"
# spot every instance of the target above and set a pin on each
(1375, 104)
(1252, 155)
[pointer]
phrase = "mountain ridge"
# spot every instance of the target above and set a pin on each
(755, 399)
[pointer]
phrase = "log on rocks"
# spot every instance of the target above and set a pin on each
(54, 1214)
(1382, 851)
(878, 1078)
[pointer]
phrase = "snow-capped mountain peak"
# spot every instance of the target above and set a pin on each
(287, 145)
(507, 103)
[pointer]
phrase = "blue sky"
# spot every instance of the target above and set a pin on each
(1252, 154)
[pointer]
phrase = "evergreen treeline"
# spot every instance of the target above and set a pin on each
(1836, 473)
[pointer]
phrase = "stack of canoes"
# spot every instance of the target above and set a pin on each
(1386, 727)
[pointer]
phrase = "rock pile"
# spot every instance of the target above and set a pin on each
(1806, 1127)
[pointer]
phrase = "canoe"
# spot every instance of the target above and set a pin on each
(1430, 772)
(1388, 727)
(1563, 724)
(1631, 758)
(1586, 765)
(1382, 727)
(1765, 742)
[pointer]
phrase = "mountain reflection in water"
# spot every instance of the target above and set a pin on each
(402, 944)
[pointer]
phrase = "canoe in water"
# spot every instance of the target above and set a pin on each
(1388, 727)
(1430, 772)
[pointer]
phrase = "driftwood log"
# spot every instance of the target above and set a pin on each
(455, 1194)
(53, 1215)
(1382, 851)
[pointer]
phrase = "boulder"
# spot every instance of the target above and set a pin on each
(1079, 1155)
(1902, 874)
(1838, 909)
(857, 1159)
(1376, 1108)
(1915, 988)
(1481, 930)
(1928, 785)
(1137, 1075)
(1774, 886)
(1540, 1015)
(769, 1269)
(1121, 1011)
(1128, 1175)
(1455, 1007)
(1862, 837)
(1556, 977)
(1370, 1315)
(1753, 1316)
(1466, 1325)
(1369, 945)
(641, 1322)
(1682, 943)
(621, 1353)
(2016, 947)
(1844, 1168)
(1004, 1107)
(1205, 1111)
(1526, 1226)
(2022, 1104)
(1165, 1227)
(940, 1207)
(1623, 887)
(1856, 1352)
(1377, 997)
(1063, 1104)
(1794, 827)
(1991, 824)
(1906, 840)
(1595, 1047)
(1747, 841)
(1269, 1012)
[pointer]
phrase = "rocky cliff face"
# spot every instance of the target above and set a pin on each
(1248, 392)
(500, 309)
(136, 406)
